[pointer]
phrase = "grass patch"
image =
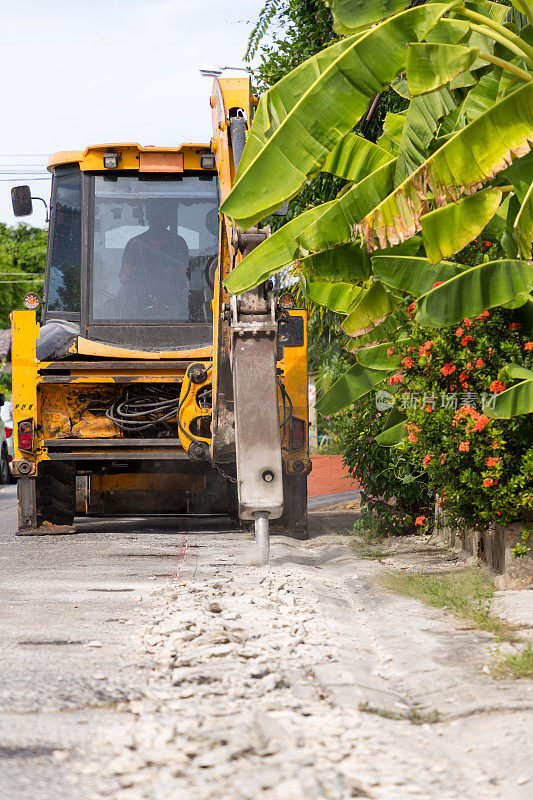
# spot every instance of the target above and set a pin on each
(517, 665)
(412, 715)
(368, 539)
(467, 592)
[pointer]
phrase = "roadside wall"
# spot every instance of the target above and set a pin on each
(492, 548)
(329, 475)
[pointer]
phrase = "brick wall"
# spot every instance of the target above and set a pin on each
(328, 476)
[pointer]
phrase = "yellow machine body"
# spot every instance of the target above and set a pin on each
(63, 401)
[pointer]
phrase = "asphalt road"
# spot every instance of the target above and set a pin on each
(235, 682)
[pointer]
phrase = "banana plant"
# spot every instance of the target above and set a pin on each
(460, 157)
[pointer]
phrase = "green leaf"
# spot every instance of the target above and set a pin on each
(524, 223)
(370, 309)
(421, 121)
(517, 371)
(375, 333)
(274, 253)
(308, 129)
(355, 383)
(349, 262)
(392, 132)
(473, 156)
(394, 434)
(473, 291)
(339, 297)
(429, 66)
(512, 402)
(413, 275)
(349, 15)
(488, 91)
(335, 225)
(450, 228)
(354, 158)
(375, 356)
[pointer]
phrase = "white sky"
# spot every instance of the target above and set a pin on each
(80, 72)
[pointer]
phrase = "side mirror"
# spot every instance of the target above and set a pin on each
(21, 199)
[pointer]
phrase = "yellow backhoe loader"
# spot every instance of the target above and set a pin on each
(146, 388)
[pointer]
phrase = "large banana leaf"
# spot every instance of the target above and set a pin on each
(350, 15)
(371, 308)
(392, 132)
(516, 400)
(275, 105)
(394, 429)
(355, 383)
(420, 125)
(473, 291)
(375, 356)
(388, 329)
(339, 297)
(335, 225)
(430, 66)
(450, 228)
(524, 223)
(274, 253)
(489, 90)
(473, 156)
(354, 158)
(413, 275)
(349, 262)
(308, 131)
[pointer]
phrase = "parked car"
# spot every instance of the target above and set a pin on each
(6, 440)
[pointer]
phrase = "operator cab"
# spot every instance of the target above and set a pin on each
(132, 247)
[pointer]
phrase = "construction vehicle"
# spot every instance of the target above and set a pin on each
(147, 388)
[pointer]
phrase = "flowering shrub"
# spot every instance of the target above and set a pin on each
(391, 490)
(481, 468)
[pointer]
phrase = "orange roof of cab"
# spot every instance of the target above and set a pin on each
(91, 157)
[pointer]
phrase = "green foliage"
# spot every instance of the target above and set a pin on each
(22, 253)
(287, 33)
(394, 493)
(481, 468)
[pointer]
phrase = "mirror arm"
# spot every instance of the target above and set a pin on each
(47, 216)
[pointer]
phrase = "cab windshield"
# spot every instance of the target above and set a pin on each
(154, 249)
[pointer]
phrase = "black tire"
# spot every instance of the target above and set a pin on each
(5, 474)
(56, 492)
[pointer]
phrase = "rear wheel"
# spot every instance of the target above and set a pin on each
(56, 493)
(4, 467)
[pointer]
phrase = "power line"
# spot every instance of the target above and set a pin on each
(31, 178)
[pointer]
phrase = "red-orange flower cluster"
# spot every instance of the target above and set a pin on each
(459, 332)
(437, 283)
(390, 351)
(426, 459)
(497, 387)
(420, 520)
(396, 378)
(483, 315)
(467, 322)
(528, 346)
(480, 363)
(448, 369)
(464, 447)
(411, 308)
(493, 462)
(489, 482)
(407, 362)
(467, 339)
(514, 326)
(425, 348)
